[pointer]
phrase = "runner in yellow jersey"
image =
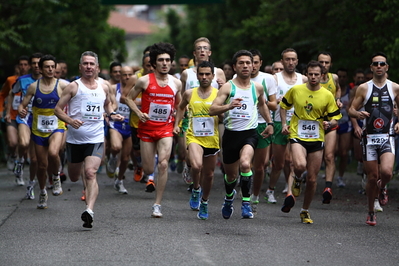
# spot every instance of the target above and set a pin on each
(306, 130)
(202, 137)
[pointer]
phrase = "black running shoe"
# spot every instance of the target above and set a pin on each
(87, 219)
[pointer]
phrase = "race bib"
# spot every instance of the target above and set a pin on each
(123, 110)
(16, 102)
(377, 139)
(203, 126)
(244, 112)
(289, 114)
(46, 123)
(308, 129)
(91, 110)
(159, 112)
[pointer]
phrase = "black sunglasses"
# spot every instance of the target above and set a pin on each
(378, 63)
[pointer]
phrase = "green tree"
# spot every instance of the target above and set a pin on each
(62, 28)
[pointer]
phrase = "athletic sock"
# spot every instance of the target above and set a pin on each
(246, 185)
(229, 186)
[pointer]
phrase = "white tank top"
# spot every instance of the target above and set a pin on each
(282, 88)
(192, 81)
(269, 88)
(88, 106)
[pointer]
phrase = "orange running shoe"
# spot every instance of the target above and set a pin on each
(138, 174)
(150, 187)
(83, 198)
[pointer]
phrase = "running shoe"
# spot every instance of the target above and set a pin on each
(118, 186)
(285, 190)
(63, 177)
(30, 193)
(19, 180)
(340, 182)
(42, 201)
(203, 211)
(87, 219)
(150, 187)
(83, 198)
(156, 211)
(270, 197)
(296, 186)
(11, 163)
(246, 210)
(383, 195)
(180, 167)
(377, 206)
(195, 199)
(57, 189)
(371, 219)
(19, 169)
(305, 217)
(186, 175)
(172, 165)
(327, 195)
(228, 208)
(289, 202)
(138, 174)
(254, 203)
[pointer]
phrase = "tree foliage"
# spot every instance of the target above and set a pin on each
(352, 31)
(64, 29)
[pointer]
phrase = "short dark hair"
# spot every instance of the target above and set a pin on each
(314, 63)
(288, 50)
(161, 48)
(206, 64)
(380, 54)
(147, 49)
(35, 55)
(144, 57)
(242, 53)
(256, 52)
(47, 57)
(23, 58)
(324, 53)
(114, 64)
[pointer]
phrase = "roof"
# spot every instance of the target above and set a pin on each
(131, 25)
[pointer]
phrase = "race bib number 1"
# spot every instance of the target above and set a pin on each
(308, 129)
(203, 126)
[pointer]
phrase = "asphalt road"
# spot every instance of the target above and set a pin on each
(125, 234)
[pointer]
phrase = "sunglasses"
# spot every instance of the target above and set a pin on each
(377, 63)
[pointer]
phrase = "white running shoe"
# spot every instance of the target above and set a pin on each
(57, 189)
(186, 175)
(30, 193)
(285, 190)
(118, 185)
(156, 211)
(270, 197)
(377, 206)
(11, 163)
(19, 180)
(42, 201)
(340, 182)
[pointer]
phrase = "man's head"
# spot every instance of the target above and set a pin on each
(64, 68)
(57, 71)
(359, 77)
(289, 59)
(277, 67)
(146, 64)
(325, 59)
(257, 62)
(161, 56)
(23, 65)
(126, 74)
(202, 50)
(227, 68)
(115, 72)
(47, 65)
(205, 74)
(379, 64)
(314, 71)
(342, 74)
(243, 63)
(89, 67)
(34, 63)
(183, 62)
